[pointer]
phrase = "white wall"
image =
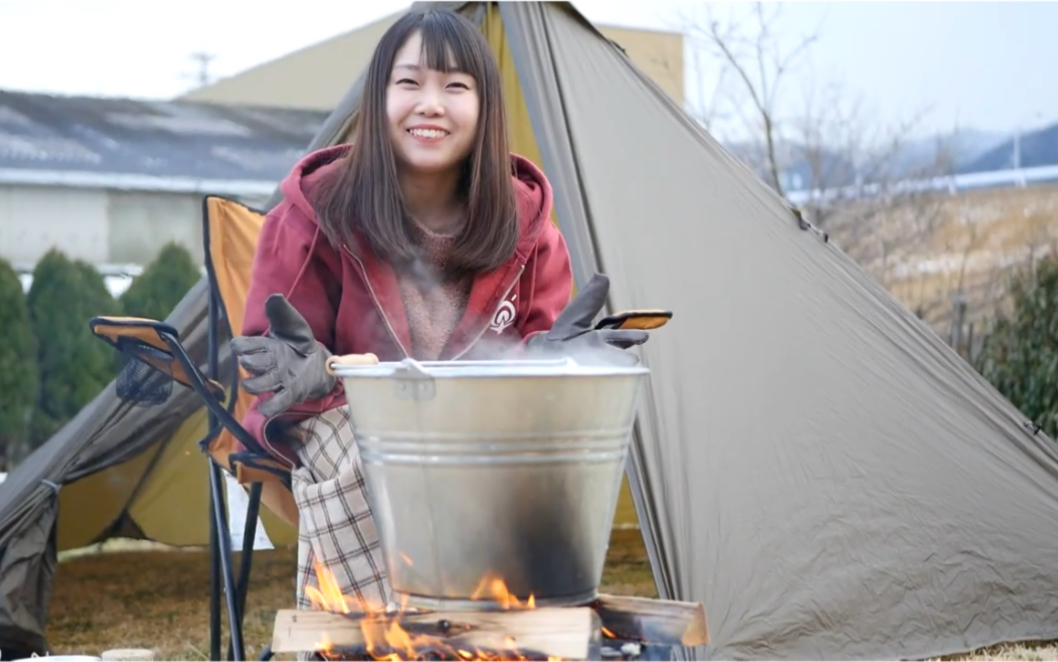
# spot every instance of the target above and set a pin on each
(139, 224)
(104, 227)
(35, 218)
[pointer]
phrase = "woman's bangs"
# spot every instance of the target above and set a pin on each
(446, 49)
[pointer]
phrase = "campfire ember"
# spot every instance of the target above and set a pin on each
(505, 628)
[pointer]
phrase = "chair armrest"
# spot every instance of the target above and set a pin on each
(152, 342)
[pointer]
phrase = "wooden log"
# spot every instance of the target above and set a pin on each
(568, 633)
(663, 622)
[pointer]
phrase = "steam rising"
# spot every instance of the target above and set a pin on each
(583, 350)
(430, 275)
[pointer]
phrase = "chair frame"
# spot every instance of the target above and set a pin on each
(145, 338)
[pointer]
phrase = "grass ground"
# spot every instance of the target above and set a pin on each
(139, 596)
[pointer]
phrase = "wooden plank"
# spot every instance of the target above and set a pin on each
(663, 622)
(569, 633)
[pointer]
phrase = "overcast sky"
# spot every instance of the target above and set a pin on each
(983, 65)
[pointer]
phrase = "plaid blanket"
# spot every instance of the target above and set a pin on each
(335, 525)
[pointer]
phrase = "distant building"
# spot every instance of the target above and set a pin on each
(110, 181)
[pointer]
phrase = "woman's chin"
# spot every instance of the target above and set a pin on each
(425, 165)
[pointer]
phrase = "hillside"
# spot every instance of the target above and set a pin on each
(962, 152)
(1038, 148)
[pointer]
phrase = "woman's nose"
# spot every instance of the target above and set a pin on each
(431, 109)
(431, 103)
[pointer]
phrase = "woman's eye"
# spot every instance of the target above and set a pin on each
(402, 81)
(462, 85)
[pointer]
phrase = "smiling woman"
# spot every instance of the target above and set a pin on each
(433, 122)
(425, 238)
(432, 149)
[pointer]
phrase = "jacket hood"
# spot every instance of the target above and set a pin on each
(532, 189)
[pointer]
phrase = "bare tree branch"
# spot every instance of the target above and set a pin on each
(846, 168)
(760, 64)
(707, 106)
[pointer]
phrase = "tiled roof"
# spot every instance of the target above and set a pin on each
(154, 139)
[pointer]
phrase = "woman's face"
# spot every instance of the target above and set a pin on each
(433, 116)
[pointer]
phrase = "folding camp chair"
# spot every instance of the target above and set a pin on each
(153, 358)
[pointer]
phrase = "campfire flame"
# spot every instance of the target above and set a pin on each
(493, 588)
(385, 639)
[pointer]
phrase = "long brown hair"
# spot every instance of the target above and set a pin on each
(364, 195)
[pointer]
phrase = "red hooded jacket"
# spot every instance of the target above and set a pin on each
(352, 302)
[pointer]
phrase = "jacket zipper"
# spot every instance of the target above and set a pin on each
(485, 327)
(389, 327)
(378, 306)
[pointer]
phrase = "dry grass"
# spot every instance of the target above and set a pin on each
(140, 595)
(925, 250)
(158, 600)
(143, 596)
(1041, 650)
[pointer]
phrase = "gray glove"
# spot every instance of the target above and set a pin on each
(573, 333)
(287, 360)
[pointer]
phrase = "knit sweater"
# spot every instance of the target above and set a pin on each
(434, 298)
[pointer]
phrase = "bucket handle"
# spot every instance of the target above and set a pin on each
(349, 359)
(412, 381)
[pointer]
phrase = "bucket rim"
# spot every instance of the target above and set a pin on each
(516, 368)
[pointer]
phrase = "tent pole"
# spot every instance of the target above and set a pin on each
(543, 101)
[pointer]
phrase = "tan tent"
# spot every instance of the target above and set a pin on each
(811, 462)
(318, 76)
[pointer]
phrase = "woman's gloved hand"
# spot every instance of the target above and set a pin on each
(287, 360)
(573, 333)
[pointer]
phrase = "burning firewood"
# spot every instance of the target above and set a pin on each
(503, 628)
(516, 634)
(647, 620)
(549, 633)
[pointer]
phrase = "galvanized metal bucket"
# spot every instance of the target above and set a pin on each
(480, 470)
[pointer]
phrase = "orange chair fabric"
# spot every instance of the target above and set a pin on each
(232, 233)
